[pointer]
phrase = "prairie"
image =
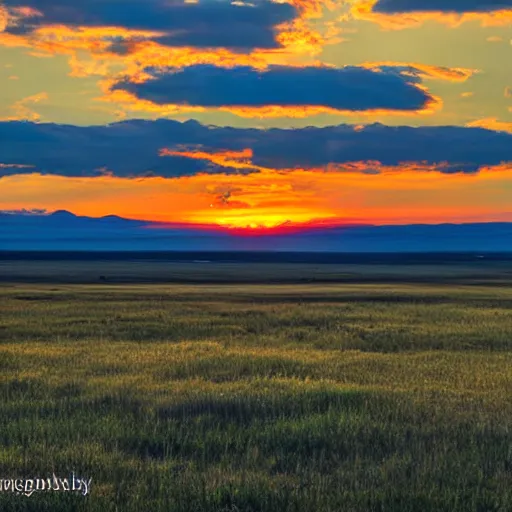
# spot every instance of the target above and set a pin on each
(334, 396)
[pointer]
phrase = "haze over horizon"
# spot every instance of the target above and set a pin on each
(64, 231)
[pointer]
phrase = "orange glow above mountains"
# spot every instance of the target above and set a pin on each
(270, 199)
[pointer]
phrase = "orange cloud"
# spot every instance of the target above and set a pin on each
(22, 111)
(363, 10)
(427, 71)
(4, 18)
(299, 111)
(234, 159)
(314, 8)
(491, 123)
(243, 160)
(90, 53)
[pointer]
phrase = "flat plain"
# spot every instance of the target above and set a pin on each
(258, 388)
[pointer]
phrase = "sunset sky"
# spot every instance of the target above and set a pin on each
(258, 113)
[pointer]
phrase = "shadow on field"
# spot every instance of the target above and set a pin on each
(272, 299)
(503, 280)
(244, 412)
(216, 428)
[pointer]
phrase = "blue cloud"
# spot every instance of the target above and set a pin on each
(209, 23)
(131, 148)
(457, 6)
(349, 88)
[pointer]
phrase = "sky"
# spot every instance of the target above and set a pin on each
(254, 114)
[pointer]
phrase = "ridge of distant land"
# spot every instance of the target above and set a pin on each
(64, 231)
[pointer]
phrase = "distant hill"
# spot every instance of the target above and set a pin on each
(63, 230)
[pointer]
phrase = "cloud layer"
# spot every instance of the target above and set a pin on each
(209, 23)
(399, 14)
(345, 89)
(448, 6)
(133, 148)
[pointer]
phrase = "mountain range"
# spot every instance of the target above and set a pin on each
(62, 230)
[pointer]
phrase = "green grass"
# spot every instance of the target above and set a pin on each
(321, 398)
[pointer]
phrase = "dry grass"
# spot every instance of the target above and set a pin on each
(259, 397)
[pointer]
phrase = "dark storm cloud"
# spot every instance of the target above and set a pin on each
(131, 148)
(458, 6)
(350, 88)
(209, 23)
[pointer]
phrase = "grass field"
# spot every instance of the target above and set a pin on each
(327, 397)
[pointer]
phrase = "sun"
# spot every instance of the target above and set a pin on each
(259, 219)
(255, 221)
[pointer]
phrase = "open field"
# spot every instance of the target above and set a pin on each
(392, 394)
(254, 268)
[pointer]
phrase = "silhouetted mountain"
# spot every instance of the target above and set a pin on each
(63, 214)
(63, 230)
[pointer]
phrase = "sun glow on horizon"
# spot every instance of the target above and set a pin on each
(256, 220)
(274, 200)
